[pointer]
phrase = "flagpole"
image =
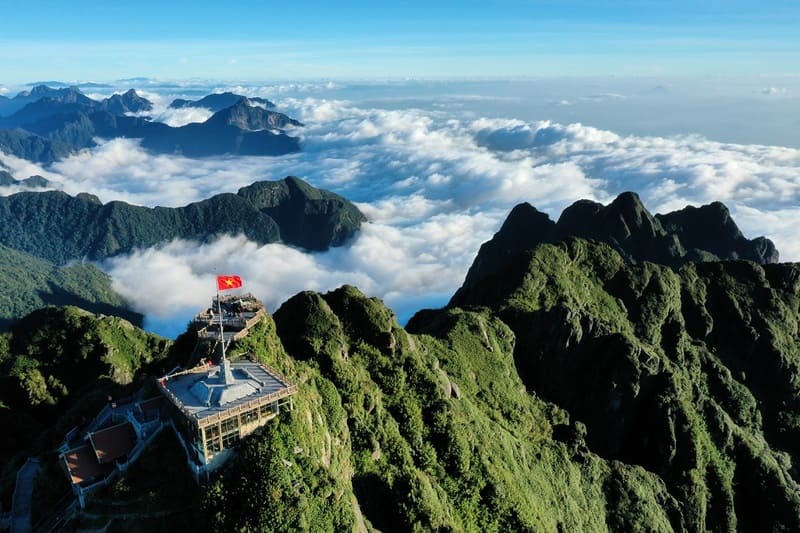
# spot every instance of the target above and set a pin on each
(221, 330)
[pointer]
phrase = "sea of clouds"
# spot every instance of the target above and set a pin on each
(434, 180)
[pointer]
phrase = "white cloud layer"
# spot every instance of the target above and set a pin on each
(434, 184)
(161, 112)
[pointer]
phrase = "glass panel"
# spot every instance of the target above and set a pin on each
(229, 440)
(230, 424)
(212, 445)
(249, 416)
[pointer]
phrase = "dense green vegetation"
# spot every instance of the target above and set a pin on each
(692, 374)
(58, 227)
(57, 368)
(30, 283)
(32, 147)
(566, 388)
(403, 432)
(571, 391)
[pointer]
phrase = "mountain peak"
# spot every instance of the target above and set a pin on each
(245, 116)
(628, 200)
(707, 232)
(711, 227)
(218, 101)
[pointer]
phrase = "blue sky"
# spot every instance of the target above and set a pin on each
(249, 40)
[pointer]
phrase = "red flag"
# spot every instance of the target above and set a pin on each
(228, 282)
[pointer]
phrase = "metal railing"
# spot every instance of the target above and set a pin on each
(252, 404)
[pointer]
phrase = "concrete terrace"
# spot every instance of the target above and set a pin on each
(203, 393)
(239, 314)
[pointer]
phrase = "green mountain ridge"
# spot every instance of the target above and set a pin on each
(569, 388)
(691, 374)
(30, 283)
(58, 366)
(58, 227)
(706, 233)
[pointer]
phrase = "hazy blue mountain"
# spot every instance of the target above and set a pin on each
(6, 179)
(249, 117)
(50, 123)
(72, 100)
(35, 181)
(128, 102)
(51, 102)
(10, 106)
(63, 120)
(49, 83)
(58, 227)
(221, 134)
(218, 101)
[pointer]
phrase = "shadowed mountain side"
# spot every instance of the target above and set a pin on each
(706, 233)
(59, 227)
(127, 102)
(227, 132)
(250, 117)
(59, 296)
(30, 283)
(416, 433)
(59, 364)
(314, 217)
(571, 391)
(9, 106)
(691, 373)
(32, 147)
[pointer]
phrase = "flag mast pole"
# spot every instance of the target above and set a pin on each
(221, 330)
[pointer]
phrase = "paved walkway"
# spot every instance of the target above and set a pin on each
(23, 495)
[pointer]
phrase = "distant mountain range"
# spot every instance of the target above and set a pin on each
(219, 101)
(52, 102)
(59, 228)
(46, 124)
(6, 180)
